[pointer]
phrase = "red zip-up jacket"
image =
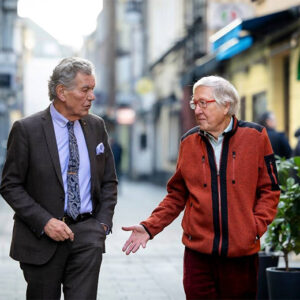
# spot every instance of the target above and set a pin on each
(224, 213)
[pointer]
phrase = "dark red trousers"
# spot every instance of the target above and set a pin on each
(214, 277)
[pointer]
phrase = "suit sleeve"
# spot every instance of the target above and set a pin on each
(108, 188)
(13, 181)
(268, 191)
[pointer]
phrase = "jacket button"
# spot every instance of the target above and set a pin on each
(190, 237)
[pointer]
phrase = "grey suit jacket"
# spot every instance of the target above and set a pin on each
(32, 183)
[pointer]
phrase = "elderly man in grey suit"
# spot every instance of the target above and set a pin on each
(59, 178)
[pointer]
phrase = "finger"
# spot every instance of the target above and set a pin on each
(69, 232)
(129, 249)
(72, 237)
(63, 236)
(128, 228)
(58, 238)
(135, 248)
(128, 242)
(144, 244)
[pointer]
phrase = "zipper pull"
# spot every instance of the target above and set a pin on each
(233, 167)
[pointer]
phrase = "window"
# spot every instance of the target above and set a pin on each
(243, 108)
(143, 141)
(174, 135)
(259, 105)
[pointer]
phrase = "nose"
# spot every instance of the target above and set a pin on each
(198, 110)
(91, 95)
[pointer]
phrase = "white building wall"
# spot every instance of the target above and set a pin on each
(166, 25)
(36, 75)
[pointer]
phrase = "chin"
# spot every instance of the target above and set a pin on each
(85, 112)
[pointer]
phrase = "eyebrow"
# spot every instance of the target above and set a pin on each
(88, 87)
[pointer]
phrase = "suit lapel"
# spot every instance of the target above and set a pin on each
(91, 146)
(51, 143)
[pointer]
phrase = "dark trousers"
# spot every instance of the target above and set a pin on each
(213, 277)
(75, 266)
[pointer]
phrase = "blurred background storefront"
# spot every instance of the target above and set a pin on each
(148, 54)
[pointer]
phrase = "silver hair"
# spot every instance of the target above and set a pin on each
(65, 72)
(223, 91)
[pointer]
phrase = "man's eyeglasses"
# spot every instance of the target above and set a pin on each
(200, 103)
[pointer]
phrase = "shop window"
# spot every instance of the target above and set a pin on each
(259, 105)
(243, 108)
(143, 141)
(174, 135)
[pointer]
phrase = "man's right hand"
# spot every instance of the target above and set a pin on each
(138, 237)
(58, 230)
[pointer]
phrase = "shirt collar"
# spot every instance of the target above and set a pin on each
(57, 117)
(227, 129)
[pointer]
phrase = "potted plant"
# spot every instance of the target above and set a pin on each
(266, 259)
(283, 234)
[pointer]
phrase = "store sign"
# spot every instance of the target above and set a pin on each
(221, 14)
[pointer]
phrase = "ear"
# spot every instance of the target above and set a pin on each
(226, 108)
(60, 92)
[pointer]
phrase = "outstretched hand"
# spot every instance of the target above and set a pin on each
(138, 237)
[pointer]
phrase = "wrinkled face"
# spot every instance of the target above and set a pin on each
(77, 100)
(213, 117)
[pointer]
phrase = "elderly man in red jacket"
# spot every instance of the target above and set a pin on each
(226, 181)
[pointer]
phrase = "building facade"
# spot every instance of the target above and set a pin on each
(10, 85)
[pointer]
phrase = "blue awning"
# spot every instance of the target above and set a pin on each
(231, 40)
(234, 47)
(239, 36)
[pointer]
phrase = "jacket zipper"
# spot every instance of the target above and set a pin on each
(219, 196)
(204, 171)
(220, 212)
(233, 166)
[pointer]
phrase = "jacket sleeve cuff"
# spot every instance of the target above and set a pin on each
(151, 237)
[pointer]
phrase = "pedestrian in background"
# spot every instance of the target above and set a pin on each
(117, 152)
(226, 181)
(297, 148)
(279, 141)
(60, 180)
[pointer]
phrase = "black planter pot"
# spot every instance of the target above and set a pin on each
(265, 261)
(283, 284)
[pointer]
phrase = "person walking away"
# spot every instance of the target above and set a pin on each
(297, 148)
(279, 141)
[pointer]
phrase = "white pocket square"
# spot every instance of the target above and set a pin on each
(100, 149)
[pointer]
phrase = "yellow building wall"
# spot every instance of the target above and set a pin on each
(250, 76)
(276, 90)
(294, 95)
(248, 83)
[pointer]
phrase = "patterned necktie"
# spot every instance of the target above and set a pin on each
(73, 207)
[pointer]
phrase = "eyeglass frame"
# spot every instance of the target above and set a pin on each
(201, 103)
